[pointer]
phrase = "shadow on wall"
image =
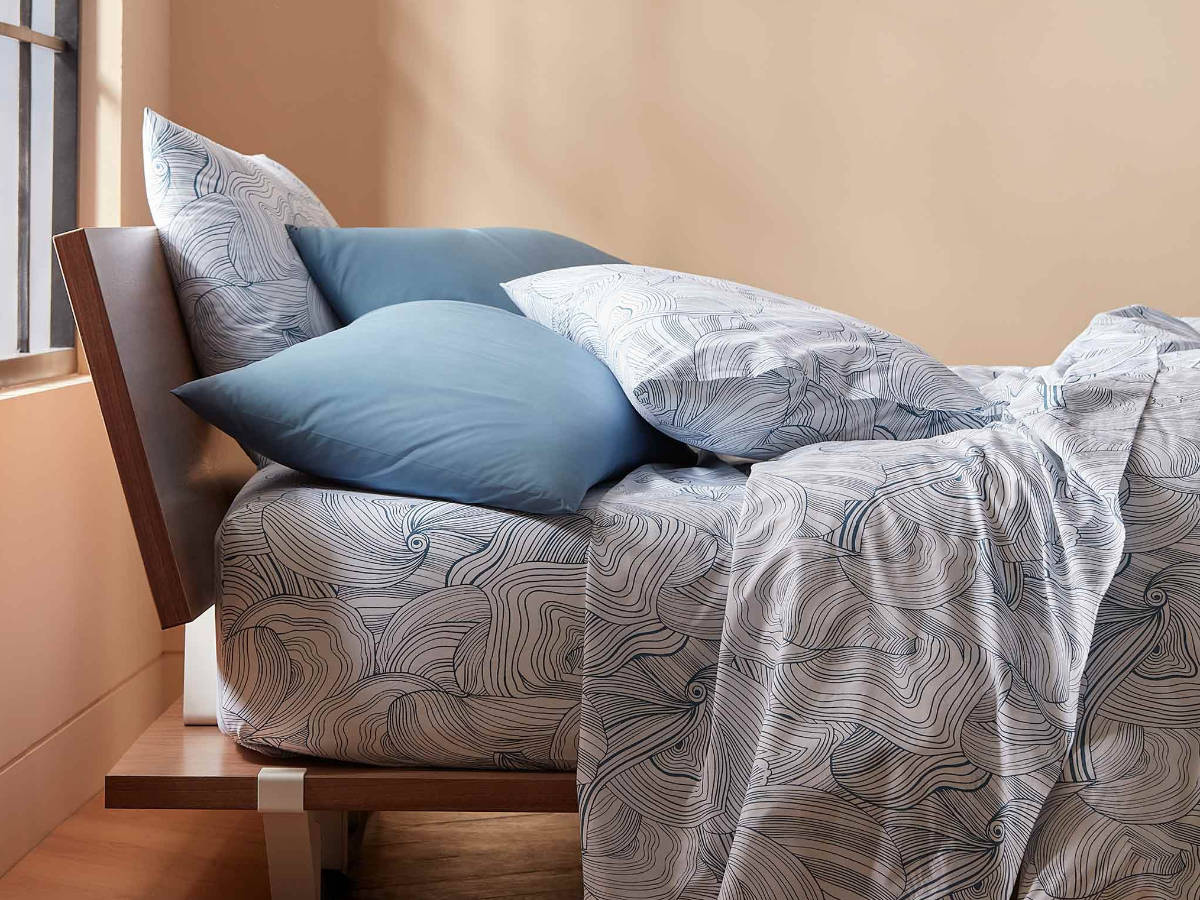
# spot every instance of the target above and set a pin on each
(981, 178)
(303, 82)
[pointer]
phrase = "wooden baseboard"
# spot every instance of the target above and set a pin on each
(177, 766)
(58, 775)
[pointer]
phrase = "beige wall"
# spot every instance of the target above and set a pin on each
(81, 653)
(81, 656)
(980, 177)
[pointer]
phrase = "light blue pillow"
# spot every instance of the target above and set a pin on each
(361, 269)
(440, 399)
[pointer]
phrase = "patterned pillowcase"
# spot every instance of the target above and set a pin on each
(241, 285)
(741, 371)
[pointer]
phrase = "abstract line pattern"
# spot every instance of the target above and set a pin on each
(1123, 821)
(399, 631)
(404, 631)
(242, 287)
(898, 675)
(741, 371)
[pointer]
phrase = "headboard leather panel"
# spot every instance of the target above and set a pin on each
(179, 474)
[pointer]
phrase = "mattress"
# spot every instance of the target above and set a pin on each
(399, 630)
(407, 631)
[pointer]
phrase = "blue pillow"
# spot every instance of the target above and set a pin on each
(361, 269)
(441, 399)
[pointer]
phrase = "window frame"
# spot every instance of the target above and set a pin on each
(61, 358)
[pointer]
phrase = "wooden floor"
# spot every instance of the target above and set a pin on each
(167, 854)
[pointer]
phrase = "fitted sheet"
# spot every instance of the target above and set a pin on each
(402, 630)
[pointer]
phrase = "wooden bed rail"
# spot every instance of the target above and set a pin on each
(174, 767)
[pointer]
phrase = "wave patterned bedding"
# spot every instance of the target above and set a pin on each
(404, 631)
(957, 667)
(400, 631)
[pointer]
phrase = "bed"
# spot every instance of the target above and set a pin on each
(954, 666)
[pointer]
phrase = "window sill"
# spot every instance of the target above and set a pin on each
(43, 365)
(46, 384)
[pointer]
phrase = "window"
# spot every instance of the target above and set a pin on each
(38, 133)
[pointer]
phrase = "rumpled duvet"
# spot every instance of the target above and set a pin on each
(963, 667)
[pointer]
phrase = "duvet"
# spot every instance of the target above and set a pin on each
(957, 667)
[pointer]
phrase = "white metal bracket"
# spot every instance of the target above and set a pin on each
(293, 835)
(281, 789)
(200, 669)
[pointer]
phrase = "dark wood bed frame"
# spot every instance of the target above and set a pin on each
(179, 475)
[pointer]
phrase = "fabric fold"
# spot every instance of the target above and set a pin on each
(898, 678)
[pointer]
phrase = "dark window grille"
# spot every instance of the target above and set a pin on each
(35, 315)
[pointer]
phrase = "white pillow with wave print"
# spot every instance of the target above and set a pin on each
(242, 287)
(745, 372)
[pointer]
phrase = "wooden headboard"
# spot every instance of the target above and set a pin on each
(179, 473)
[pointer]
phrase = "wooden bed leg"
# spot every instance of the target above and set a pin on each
(293, 835)
(335, 839)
